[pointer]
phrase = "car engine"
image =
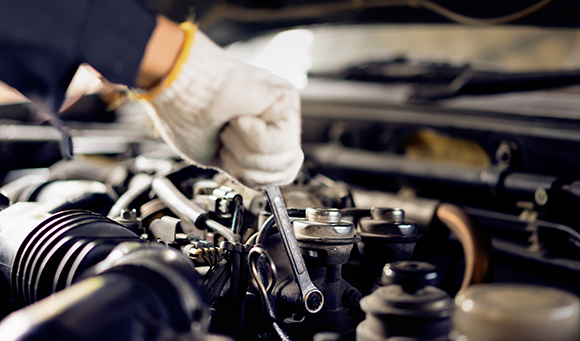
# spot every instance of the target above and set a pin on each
(127, 242)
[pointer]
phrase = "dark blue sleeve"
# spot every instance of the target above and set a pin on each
(42, 42)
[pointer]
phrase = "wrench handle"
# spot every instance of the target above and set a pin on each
(311, 296)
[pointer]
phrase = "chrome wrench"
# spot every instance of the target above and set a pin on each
(312, 298)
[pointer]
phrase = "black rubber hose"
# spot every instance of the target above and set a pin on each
(270, 305)
(215, 283)
(138, 279)
(238, 216)
(241, 302)
(186, 209)
(252, 239)
(235, 291)
(235, 281)
(126, 199)
(266, 228)
(82, 170)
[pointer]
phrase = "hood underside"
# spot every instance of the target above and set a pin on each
(230, 20)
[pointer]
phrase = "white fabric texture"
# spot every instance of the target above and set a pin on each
(229, 115)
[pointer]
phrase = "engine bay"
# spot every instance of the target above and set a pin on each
(398, 209)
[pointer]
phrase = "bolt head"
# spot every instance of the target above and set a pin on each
(541, 196)
(314, 301)
(323, 215)
(391, 215)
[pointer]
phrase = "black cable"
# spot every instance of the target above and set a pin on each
(252, 239)
(259, 260)
(127, 198)
(270, 223)
(216, 282)
(235, 281)
(243, 288)
(238, 215)
(265, 229)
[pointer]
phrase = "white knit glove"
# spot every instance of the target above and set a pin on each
(222, 113)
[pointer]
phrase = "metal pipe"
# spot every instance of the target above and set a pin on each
(129, 196)
(221, 229)
(390, 164)
(185, 209)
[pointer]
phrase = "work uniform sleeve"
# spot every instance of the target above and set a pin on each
(42, 43)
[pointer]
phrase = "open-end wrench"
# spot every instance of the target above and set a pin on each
(311, 297)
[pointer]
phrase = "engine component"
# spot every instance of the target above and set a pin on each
(476, 245)
(184, 216)
(222, 200)
(113, 175)
(386, 237)
(498, 312)
(67, 195)
(139, 185)
(186, 209)
(130, 220)
(326, 242)
(312, 298)
(265, 276)
(39, 257)
(408, 306)
(225, 203)
(155, 291)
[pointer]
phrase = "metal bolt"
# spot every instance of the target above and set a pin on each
(391, 215)
(541, 196)
(129, 214)
(505, 153)
(323, 215)
(314, 302)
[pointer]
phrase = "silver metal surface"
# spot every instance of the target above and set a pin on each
(323, 215)
(388, 221)
(323, 223)
(184, 208)
(312, 297)
(419, 210)
(391, 215)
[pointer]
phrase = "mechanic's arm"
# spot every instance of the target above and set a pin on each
(161, 53)
(214, 110)
(220, 112)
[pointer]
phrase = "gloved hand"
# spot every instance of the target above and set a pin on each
(220, 112)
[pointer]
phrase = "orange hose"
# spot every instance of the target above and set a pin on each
(476, 245)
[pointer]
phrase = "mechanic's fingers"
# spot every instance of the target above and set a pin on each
(224, 113)
(270, 170)
(249, 90)
(254, 136)
(268, 162)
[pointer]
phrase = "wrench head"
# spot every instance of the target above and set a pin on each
(314, 300)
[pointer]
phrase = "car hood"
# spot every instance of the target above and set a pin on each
(231, 20)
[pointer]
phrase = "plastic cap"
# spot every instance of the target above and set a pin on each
(494, 312)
